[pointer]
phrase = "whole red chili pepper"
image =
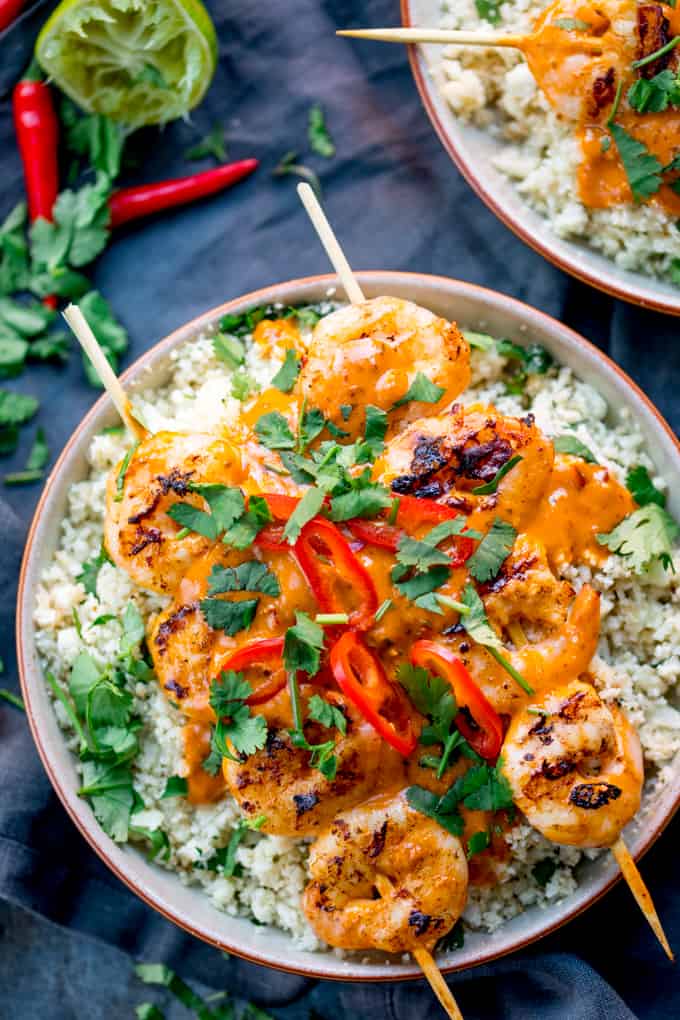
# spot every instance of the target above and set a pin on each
(37, 131)
(145, 199)
(9, 11)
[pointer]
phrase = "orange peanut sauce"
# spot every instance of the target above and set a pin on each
(580, 500)
(579, 70)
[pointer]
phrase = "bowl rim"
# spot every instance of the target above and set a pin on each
(572, 267)
(92, 832)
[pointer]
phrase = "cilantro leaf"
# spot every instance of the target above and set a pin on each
(490, 10)
(413, 587)
(211, 144)
(312, 425)
(227, 860)
(478, 842)
(274, 432)
(16, 408)
(642, 169)
(307, 508)
(476, 622)
(645, 535)
(366, 501)
(479, 341)
(642, 488)
(246, 733)
(317, 133)
(430, 804)
(375, 430)
(176, 786)
(231, 617)
(433, 697)
(288, 164)
(284, 379)
(328, 715)
(654, 95)
(90, 571)
(489, 487)
(227, 692)
(133, 629)
(112, 336)
(246, 529)
(492, 551)
(414, 553)
(574, 447)
(191, 517)
(226, 503)
(423, 390)
(249, 576)
(544, 870)
(303, 644)
(110, 792)
(489, 791)
(229, 349)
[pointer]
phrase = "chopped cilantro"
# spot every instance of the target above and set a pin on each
(375, 429)
(642, 488)
(249, 576)
(455, 939)
(654, 95)
(480, 630)
(430, 804)
(574, 447)
(242, 385)
(176, 786)
(274, 432)
(645, 535)
(195, 519)
(226, 503)
(229, 349)
(361, 502)
(246, 733)
(420, 584)
(423, 390)
(643, 170)
(544, 870)
(231, 617)
(317, 133)
(90, 571)
(492, 551)
(478, 842)
(227, 860)
(246, 529)
(489, 487)
(307, 508)
(328, 715)
(211, 144)
(479, 341)
(284, 379)
(490, 10)
(302, 645)
(382, 609)
(122, 471)
(289, 164)
(433, 697)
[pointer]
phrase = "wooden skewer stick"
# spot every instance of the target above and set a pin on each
(456, 37)
(629, 870)
(426, 963)
(330, 243)
(88, 341)
(435, 35)
(622, 854)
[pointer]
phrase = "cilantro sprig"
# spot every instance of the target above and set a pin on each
(480, 630)
(643, 536)
(236, 727)
(492, 551)
(482, 788)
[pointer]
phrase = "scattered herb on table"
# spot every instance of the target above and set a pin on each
(318, 134)
(212, 144)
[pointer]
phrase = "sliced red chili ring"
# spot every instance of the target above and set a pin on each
(267, 652)
(362, 679)
(484, 733)
(321, 540)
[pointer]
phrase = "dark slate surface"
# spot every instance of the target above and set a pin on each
(398, 203)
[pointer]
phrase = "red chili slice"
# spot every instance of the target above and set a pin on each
(484, 730)
(410, 513)
(266, 652)
(361, 677)
(321, 540)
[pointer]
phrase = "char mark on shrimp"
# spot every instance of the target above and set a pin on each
(176, 688)
(653, 35)
(377, 844)
(305, 802)
(146, 537)
(594, 795)
(557, 769)
(173, 624)
(604, 90)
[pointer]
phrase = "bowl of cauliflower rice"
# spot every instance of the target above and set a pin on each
(573, 141)
(216, 749)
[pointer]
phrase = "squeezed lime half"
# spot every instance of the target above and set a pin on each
(137, 61)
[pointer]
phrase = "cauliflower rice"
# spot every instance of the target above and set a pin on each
(495, 91)
(638, 662)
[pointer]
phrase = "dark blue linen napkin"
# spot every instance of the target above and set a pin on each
(397, 202)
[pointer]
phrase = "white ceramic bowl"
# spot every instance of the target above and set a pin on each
(472, 307)
(473, 150)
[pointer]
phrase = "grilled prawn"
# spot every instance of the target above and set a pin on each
(575, 766)
(371, 353)
(425, 865)
(449, 456)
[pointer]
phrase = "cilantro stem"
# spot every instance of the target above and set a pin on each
(330, 618)
(13, 699)
(452, 742)
(120, 477)
(295, 701)
(182, 533)
(382, 609)
(450, 603)
(394, 510)
(617, 101)
(69, 709)
(657, 53)
(509, 668)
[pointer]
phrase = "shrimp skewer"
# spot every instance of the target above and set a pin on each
(353, 290)
(575, 768)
